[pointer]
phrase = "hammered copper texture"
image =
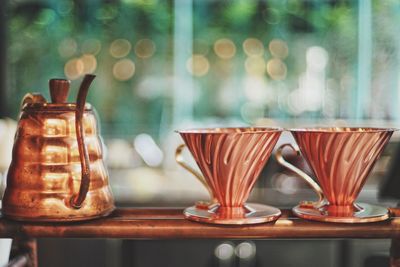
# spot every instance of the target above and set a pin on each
(231, 159)
(341, 158)
(45, 171)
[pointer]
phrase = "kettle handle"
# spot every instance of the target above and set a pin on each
(77, 200)
(179, 159)
(282, 161)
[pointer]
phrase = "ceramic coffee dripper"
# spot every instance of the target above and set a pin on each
(231, 160)
(57, 171)
(341, 159)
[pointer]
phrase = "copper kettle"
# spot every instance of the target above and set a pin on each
(57, 171)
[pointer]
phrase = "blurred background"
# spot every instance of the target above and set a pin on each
(174, 64)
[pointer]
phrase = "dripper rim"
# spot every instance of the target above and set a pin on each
(230, 130)
(342, 129)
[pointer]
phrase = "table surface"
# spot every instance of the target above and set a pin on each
(169, 223)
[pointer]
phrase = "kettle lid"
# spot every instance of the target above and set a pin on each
(59, 89)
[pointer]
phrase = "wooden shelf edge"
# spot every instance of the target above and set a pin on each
(160, 223)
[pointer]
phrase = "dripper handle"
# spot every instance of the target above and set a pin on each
(59, 89)
(179, 159)
(76, 201)
(310, 181)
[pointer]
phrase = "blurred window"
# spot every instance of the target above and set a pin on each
(164, 65)
(161, 63)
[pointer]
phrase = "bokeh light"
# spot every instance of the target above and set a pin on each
(256, 89)
(245, 250)
(74, 68)
(151, 87)
(286, 184)
(294, 103)
(224, 251)
(271, 15)
(124, 69)
(145, 48)
(255, 65)
(120, 154)
(278, 48)
(198, 65)
(276, 69)
(89, 63)
(91, 46)
(67, 48)
(224, 48)
(317, 58)
(120, 48)
(253, 47)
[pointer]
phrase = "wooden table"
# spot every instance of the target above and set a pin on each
(160, 223)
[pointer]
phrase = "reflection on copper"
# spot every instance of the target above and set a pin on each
(55, 127)
(49, 178)
(231, 160)
(284, 222)
(341, 159)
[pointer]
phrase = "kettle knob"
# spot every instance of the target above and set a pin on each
(59, 89)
